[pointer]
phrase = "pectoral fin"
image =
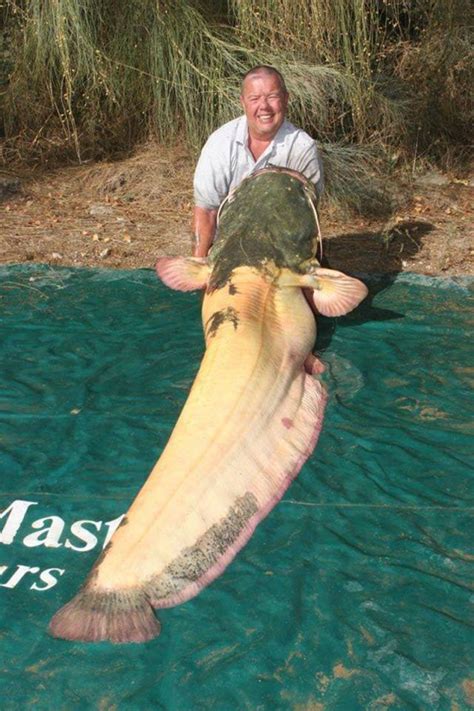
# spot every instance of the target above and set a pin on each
(183, 273)
(334, 293)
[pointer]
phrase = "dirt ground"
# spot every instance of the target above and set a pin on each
(127, 213)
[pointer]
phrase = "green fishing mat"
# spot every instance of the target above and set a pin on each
(354, 593)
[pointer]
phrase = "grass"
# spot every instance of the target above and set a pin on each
(91, 80)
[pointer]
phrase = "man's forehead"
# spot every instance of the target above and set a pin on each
(261, 81)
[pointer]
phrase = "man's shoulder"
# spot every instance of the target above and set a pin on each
(228, 132)
(290, 132)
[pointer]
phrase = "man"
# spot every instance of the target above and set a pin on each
(262, 136)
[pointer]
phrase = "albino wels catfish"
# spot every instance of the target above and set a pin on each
(252, 417)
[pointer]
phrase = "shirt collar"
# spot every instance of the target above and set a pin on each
(242, 132)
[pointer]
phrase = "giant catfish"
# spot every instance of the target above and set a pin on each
(251, 419)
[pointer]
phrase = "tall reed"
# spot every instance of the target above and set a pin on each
(92, 78)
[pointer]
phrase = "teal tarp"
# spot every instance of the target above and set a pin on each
(354, 593)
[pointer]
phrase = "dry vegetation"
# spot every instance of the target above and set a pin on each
(126, 213)
(378, 85)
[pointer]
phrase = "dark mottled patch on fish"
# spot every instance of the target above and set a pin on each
(220, 317)
(118, 600)
(126, 614)
(270, 219)
(232, 289)
(194, 561)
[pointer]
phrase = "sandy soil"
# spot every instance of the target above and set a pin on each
(126, 213)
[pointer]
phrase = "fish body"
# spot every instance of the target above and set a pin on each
(251, 419)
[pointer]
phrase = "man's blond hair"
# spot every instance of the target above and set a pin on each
(267, 70)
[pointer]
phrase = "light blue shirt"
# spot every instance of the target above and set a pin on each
(226, 160)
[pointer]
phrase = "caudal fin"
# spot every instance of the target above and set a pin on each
(116, 616)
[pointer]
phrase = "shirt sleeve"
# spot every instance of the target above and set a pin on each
(212, 174)
(308, 162)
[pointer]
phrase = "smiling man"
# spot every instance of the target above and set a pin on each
(261, 137)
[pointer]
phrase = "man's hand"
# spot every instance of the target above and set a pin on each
(204, 229)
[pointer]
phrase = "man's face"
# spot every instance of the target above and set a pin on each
(264, 103)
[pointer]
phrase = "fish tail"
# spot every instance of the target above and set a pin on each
(117, 616)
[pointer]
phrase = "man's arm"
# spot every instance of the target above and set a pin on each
(204, 229)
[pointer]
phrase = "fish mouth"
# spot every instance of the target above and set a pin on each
(289, 171)
(269, 169)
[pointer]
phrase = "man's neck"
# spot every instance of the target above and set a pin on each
(258, 146)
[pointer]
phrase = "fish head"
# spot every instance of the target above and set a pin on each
(267, 233)
(268, 221)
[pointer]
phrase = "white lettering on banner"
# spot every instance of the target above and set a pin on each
(78, 530)
(112, 526)
(48, 536)
(52, 528)
(16, 513)
(45, 576)
(48, 532)
(21, 571)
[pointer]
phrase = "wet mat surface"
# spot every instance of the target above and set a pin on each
(356, 591)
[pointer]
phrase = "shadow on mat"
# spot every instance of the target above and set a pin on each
(381, 254)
